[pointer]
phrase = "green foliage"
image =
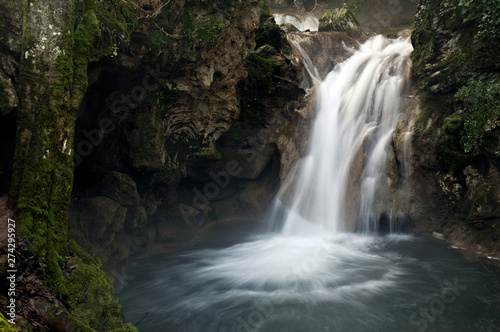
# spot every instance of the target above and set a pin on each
(210, 31)
(486, 13)
(116, 18)
(339, 19)
(473, 52)
(482, 109)
(203, 33)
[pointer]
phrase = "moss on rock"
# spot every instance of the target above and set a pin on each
(210, 31)
(338, 19)
(453, 123)
(5, 326)
(88, 293)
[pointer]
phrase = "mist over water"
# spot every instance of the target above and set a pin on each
(311, 275)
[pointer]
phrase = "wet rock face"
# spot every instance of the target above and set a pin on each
(163, 126)
(451, 191)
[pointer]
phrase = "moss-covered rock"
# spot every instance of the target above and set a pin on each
(90, 292)
(5, 326)
(260, 66)
(454, 123)
(454, 146)
(448, 46)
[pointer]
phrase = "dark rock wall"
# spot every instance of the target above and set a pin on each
(167, 142)
(10, 38)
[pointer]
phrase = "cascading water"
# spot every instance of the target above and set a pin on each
(310, 23)
(311, 276)
(359, 104)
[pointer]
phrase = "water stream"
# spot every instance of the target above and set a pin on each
(310, 23)
(310, 274)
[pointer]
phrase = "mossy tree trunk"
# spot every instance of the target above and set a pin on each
(43, 172)
(53, 79)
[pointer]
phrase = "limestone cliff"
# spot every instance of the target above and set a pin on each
(454, 164)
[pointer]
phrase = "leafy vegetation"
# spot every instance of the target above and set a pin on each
(486, 13)
(338, 19)
(482, 111)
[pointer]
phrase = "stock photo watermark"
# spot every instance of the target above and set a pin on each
(428, 312)
(121, 279)
(11, 271)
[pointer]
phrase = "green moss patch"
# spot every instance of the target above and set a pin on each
(210, 31)
(5, 326)
(90, 292)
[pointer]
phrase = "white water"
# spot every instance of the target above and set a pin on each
(310, 23)
(359, 104)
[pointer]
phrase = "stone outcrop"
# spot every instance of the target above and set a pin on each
(450, 191)
(159, 131)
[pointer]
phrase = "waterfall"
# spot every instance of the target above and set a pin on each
(341, 184)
